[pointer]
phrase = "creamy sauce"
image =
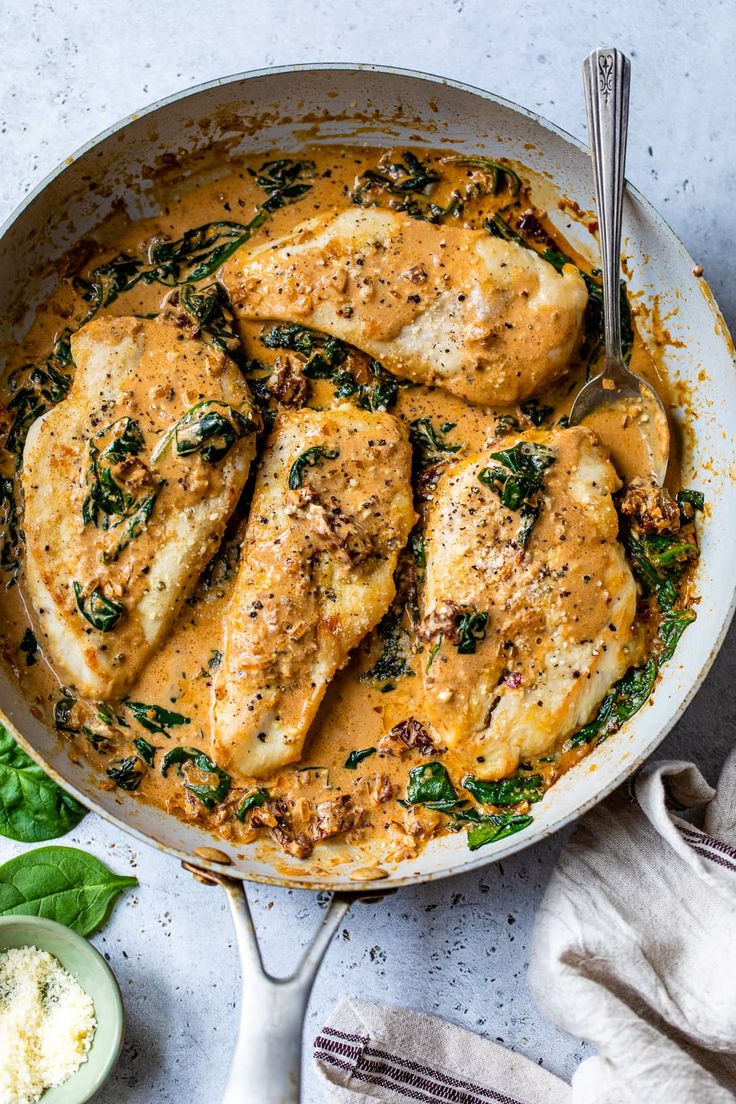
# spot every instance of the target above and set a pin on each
(354, 714)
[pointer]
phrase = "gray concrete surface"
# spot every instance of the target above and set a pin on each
(458, 948)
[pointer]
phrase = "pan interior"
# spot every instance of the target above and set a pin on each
(196, 132)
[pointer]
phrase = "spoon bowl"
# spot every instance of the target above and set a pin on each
(624, 409)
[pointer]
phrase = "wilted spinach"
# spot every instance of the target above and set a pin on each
(355, 758)
(146, 751)
(623, 700)
(429, 443)
(659, 561)
(490, 829)
(310, 458)
(509, 791)
(155, 718)
(518, 482)
(29, 646)
(429, 784)
(209, 795)
(251, 801)
(393, 661)
(102, 613)
(127, 773)
(10, 534)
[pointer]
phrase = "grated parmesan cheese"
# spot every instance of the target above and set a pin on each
(47, 1023)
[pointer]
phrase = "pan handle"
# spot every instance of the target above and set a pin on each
(266, 1064)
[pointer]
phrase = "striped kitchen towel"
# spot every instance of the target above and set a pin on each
(634, 950)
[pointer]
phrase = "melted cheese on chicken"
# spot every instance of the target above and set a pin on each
(556, 618)
(332, 509)
(128, 484)
(485, 318)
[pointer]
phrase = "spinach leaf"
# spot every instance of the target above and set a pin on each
(127, 773)
(211, 311)
(392, 663)
(62, 884)
(501, 175)
(200, 251)
(282, 180)
(10, 533)
(658, 562)
(309, 459)
(470, 626)
(209, 795)
(518, 482)
(509, 791)
(29, 645)
(405, 180)
(251, 801)
(134, 521)
(498, 826)
(154, 718)
(146, 751)
(535, 411)
(690, 502)
(210, 428)
(671, 627)
(623, 700)
(107, 498)
(44, 386)
(430, 442)
(32, 806)
(355, 758)
(64, 713)
(102, 613)
(429, 784)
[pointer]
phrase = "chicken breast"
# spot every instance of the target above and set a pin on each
(332, 509)
(485, 318)
(529, 607)
(128, 484)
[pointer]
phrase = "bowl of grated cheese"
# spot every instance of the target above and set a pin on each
(61, 1014)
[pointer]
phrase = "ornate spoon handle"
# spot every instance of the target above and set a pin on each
(606, 78)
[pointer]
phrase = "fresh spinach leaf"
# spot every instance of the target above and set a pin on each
(62, 884)
(429, 784)
(310, 458)
(154, 718)
(355, 758)
(102, 613)
(509, 791)
(209, 795)
(251, 801)
(32, 806)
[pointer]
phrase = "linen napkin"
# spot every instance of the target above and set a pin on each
(634, 950)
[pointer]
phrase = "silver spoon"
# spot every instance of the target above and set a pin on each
(616, 392)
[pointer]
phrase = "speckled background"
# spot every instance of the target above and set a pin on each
(457, 948)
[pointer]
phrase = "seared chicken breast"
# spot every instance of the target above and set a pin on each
(128, 484)
(485, 318)
(332, 508)
(529, 603)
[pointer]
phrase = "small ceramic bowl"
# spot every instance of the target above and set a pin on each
(96, 978)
